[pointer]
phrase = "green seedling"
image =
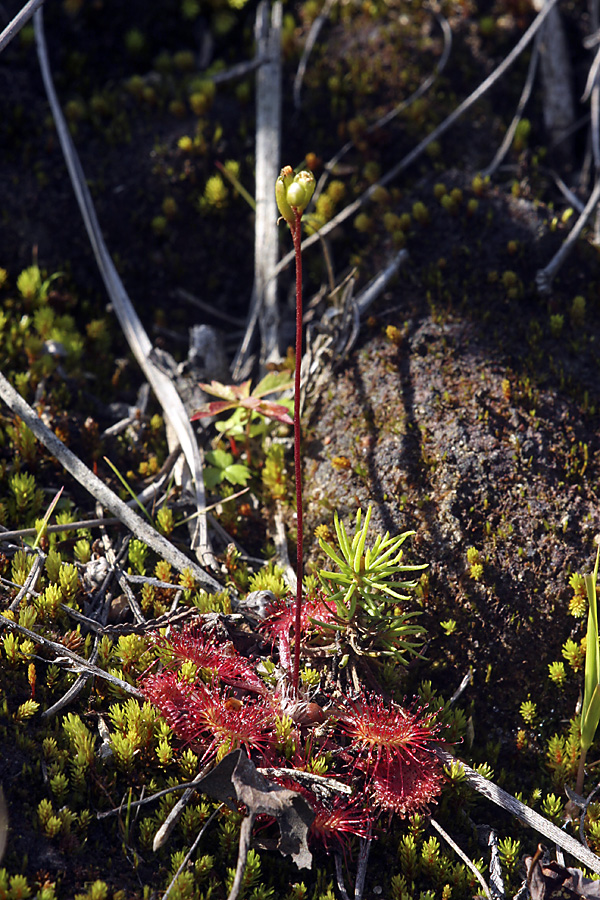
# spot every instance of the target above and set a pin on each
(247, 405)
(239, 396)
(223, 468)
(590, 710)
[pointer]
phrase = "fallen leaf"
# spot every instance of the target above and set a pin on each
(551, 881)
(236, 778)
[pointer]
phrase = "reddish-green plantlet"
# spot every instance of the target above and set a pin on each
(293, 194)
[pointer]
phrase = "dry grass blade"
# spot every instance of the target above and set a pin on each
(463, 856)
(133, 330)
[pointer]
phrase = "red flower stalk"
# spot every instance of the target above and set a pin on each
(199, 712)
(296, 230)
(282, 617)
(403, 773)
(221, 659)
(293, 194)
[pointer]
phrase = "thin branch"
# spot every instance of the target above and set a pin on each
(111, 558)
(15, 25)
(379, 283)
(311, 39)
(523, 100)
(339, 876)
(30, 581)
(75, 688)
(314, 782)
(58, 529)
(464, 858)
(399, 108)
(361, 869)
(526, 815)
(103, 494)
(109, 813)
(78, 664)
(190, 852)
(544, 277)
(209, 308)
(162, 835)
(245, 838)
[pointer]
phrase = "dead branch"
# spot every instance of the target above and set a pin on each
(526, 815)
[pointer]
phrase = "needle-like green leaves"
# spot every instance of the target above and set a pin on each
(366, 586)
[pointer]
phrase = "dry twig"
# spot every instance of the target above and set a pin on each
(103, 494)
(526, 815)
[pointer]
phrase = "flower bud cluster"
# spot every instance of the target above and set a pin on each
(293, 193)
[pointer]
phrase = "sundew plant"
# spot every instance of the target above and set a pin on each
(290, 718)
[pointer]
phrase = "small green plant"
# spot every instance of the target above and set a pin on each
(574, 654)
(557, 322)
(249, 408)
(222, 467)
(553, 808)
(578, 311)
(363, 591)
(556, 673)
(578, 602)
(528, 711)
(510, 851)
(590, 710)
(475, 564)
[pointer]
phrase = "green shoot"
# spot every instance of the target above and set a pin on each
(590, 710)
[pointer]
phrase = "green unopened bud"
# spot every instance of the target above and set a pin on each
(286, 177)
(293, 193)
(300, 192)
